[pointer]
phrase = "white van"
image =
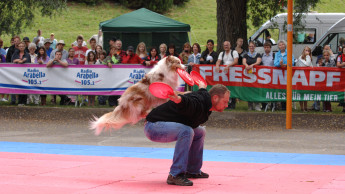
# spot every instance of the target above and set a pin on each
(332, 37)
(315, 25)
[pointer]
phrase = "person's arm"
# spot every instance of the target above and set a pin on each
(339, 63)
(277, 60)
(50, 63)
(63, 63)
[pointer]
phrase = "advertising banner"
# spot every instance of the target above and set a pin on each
(267, 84)
(72, 80)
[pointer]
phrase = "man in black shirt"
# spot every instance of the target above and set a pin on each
(179, 120)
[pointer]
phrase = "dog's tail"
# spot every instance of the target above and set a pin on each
(111, 120)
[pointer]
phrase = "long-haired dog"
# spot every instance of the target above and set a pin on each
(137, 101)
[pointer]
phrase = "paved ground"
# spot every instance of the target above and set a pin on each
(51, 150)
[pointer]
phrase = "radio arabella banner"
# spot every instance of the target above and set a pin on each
(267, 84)
(74, 79)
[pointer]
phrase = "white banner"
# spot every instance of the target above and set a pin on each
(73, 80)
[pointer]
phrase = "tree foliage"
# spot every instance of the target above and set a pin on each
(18, 14)
(258, 12)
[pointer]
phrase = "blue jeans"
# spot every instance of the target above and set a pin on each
(189, 144)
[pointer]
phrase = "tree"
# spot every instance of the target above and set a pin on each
(232, 16)
(18, 14)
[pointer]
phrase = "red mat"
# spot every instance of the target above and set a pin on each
(47, 173)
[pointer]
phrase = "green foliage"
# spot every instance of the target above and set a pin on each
(260, 11)
(89, 2)
(17, 14)
(180, 2)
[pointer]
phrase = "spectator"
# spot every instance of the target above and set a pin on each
(32, 49)
(20, 56)
(152, 59)
(2, 58)
(268, 38)
(113, 57)
(332, 56)
(2, 51)
(53, 42)
(92, 45)
(162, 50)
(341, 44)
(57, 60)
(280, 60)
(341, 64)
(228, 57)
(98, 37)
(141, 50)
(194, 58)
(131, 57)
(239, 48)
(75, 43)
(99, 50)
(47, 46)
(59, 47)
(12, 49)
(91, 58)
(172, 52)
(33, 98)
(102, 100)
(26, 40)
(101, 58)
(11, 43)
(209, 56)
(71, 57)
(186, 52)
(250, 60)
(305, 60)
(121, 53)
(112, 42)
(39, 40)
(268, 55)
(327, 62)
(42, 56)
(80, 50)
(341, 58)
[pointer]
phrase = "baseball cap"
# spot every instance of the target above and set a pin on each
(130, 48)
(47, 40)
(61, 42)
(26, 39)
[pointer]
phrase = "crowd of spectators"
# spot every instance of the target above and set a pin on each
(50, 52)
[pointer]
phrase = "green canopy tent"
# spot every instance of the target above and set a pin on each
(145, 26)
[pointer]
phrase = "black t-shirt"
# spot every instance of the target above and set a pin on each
(252, 59)
(193, 110)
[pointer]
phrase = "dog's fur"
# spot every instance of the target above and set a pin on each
(137, 101)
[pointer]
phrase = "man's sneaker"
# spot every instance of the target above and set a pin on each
(196, 176)
(180, 180)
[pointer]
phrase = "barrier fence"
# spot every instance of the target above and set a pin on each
(72, 80)
(265, 84)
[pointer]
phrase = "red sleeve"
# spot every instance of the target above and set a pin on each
(125, 59)
(153, 62)
(140, 60)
